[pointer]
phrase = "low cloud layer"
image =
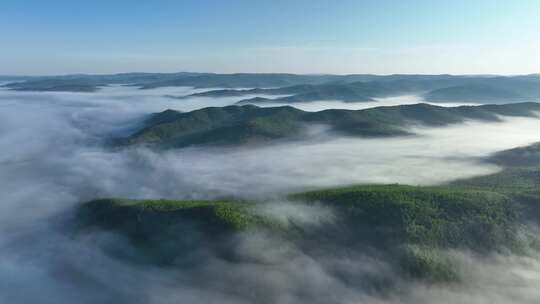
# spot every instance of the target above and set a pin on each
(379, 102)
(52, 158)
(434, 156)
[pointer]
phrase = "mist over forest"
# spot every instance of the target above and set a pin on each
(144, 193)
(269, 152)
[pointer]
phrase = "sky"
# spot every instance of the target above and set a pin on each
(298, 36)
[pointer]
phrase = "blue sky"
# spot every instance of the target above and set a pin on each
(301, 36)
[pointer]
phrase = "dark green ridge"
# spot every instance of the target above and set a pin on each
(410, 225)
(346, 92)
(518, 179)
(161, 231)
(233, 125)
(474, 93)
(227, 214)
(520, 173)
(420, 223)
(519, 157)
(429, 216)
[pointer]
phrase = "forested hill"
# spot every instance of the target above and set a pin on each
(251, 124)
(410, 227)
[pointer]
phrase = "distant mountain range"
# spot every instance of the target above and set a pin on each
(431, 88)
(251, 124)
(77, 83)
(306, 88)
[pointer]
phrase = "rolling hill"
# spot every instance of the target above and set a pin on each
(431, 88)
(409, 227)
(233, 125)
(307, 88)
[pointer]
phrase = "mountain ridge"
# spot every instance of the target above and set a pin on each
(233, 125)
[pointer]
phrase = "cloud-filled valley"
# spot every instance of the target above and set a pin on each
(267, 152)
(54, 156)
(61, 134)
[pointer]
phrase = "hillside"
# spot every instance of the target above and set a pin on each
(528, 156)
(251, 124)
(347, 92)
(474, 93)
(408, 227)
(409, 224)
(162, 230)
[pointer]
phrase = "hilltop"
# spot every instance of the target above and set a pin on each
(234, 125)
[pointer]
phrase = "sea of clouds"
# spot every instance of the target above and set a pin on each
(53, 157)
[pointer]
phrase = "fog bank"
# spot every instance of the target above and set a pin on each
(315, 106)
(52, 158)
